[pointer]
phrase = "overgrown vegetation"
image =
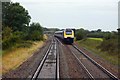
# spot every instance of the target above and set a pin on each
(106, 43)
(17, 56)
(110, 39)
(20, 39)
(16, 28)
(92, 44)
(81, 33)
(110, 43)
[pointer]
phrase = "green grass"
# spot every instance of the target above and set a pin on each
(98, 39)
(92, 43)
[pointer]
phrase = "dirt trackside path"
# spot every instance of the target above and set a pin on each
(24, 62)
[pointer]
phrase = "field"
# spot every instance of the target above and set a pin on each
(92, 43)
(96, 39)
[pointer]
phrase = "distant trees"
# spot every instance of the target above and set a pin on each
(96, 34)
(110, 39)
(81, 33)
(99, 30)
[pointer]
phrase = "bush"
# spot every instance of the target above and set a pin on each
(107, 36)
(35, 35)
(6, 33)
(35, 32)
(80, 34)
(15, 37)
(25, 44)
(110, 46)
(95, 35)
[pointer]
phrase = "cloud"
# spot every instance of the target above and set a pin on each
(66, 13)
(66, 0)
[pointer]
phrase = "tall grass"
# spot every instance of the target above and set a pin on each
(92, 44)
(0, 52)
(12, 59)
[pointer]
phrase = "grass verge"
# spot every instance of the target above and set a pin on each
(16, 56)
(92, 43)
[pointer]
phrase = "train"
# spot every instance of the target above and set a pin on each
(66, 35)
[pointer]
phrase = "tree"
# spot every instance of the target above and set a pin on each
(99, 30)
(107, 35)
(35, 32)
(15, 16)
(81, 33)
(6, 33)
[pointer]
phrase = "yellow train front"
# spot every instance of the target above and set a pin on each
(67, 35)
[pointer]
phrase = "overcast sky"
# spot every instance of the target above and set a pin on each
(87, 14)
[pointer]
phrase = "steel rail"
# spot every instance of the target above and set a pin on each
(58, 63)
(87, 71)
(83, 66)
(97, 64)
(37, 72)
(41, 64)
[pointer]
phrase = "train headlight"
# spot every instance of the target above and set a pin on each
(65, 36)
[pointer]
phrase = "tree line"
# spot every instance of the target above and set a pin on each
(110, 39)
(16, 27)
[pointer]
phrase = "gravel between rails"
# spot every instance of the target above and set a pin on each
(96, 72)
(69, 66)
(112, 68)
(27, 69)
(63, 63)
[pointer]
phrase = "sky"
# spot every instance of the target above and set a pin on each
(87, 14)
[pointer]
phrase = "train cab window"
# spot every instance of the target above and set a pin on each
(68, 32)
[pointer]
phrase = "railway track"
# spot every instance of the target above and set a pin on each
(49, 66)
(102, 72)
(93, 69)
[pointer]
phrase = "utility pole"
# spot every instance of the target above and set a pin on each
(119, 18)
(0, 24)
(1, 5)
(119, 34)
(0, 38)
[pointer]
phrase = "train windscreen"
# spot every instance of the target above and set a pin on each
(68, 32)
